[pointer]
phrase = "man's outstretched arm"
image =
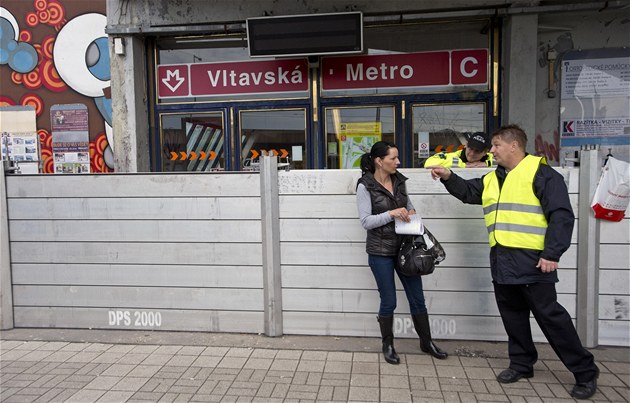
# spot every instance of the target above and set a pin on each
(468, 191)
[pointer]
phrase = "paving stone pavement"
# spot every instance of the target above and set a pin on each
(50, 365)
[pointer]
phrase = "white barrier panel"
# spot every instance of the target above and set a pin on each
(185, 252)
(161, 252)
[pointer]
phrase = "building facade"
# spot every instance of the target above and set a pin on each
(173, 88)
(427, 74)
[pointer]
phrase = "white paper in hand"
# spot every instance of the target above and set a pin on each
(413, 227)
(428, 241)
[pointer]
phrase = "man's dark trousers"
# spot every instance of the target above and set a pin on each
(515, 303)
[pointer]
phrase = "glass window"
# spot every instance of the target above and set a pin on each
(192, 142)
(442, 127)
(273, 132)
(350, 132)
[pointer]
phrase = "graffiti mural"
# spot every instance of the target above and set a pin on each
(549, 150)
(56, 52)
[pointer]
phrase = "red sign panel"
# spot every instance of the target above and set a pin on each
(469, 66)
(425, 69)
(209, 79)
(382, 71)
(249, 77)
(462, 67)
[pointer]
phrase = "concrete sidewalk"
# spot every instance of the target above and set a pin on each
(57, 365)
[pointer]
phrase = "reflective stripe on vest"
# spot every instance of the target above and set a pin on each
(513, 214)
(456, 161)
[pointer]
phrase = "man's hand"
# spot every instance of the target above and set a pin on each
(439, 172)
(547, 266)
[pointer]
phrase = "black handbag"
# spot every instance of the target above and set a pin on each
(419, 254)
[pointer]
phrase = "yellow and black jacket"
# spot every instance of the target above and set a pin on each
(513, 258)
(512, 212)
(456, 159)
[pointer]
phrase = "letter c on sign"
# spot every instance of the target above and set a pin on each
(462, 67)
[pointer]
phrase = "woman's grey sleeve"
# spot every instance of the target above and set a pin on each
(364, 204)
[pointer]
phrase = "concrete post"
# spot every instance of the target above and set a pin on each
(6, 292)
(519, 78)
(270, 215)
(588, 251)
(129, 105)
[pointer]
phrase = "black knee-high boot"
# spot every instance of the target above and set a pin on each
(421, 323)
(387, 333)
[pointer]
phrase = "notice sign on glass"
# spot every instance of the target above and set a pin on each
(357, 138)
(70, 139)
(595, 100)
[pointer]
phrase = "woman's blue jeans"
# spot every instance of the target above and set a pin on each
(383, 270)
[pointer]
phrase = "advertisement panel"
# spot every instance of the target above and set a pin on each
(70, 139)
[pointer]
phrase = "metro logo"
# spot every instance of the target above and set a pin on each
(173, 81)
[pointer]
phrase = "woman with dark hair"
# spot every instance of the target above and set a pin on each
(382, 197)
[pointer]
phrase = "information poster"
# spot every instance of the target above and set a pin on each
(357, 139)
(18, 137)
(595, 103)
(70, 138)
(20, 147)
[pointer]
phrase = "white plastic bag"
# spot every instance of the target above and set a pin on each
(612, 195)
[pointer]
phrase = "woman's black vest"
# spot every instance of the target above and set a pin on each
(383, 241)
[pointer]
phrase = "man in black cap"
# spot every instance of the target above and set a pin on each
(474, 155)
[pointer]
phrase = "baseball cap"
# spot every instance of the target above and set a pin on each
(478, 141)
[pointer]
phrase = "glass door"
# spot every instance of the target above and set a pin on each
(192, 141)
(279, 132)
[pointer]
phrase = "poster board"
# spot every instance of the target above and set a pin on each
(19, 141)
(70, 139)
(356, 139)
(595, 103)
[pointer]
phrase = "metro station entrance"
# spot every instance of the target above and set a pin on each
(203, 141)
(220, 110)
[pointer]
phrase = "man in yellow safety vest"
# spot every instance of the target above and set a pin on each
(529, 219)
